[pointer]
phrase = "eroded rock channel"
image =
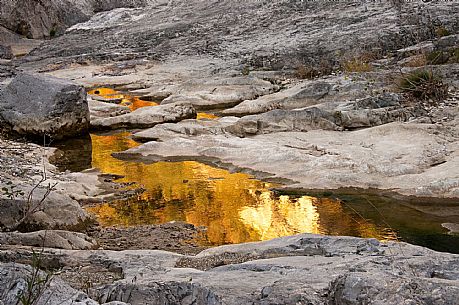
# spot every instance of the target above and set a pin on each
(225, 152)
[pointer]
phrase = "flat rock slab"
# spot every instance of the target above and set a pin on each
(44, 211)
(14, 279)
(407, 158)
(185, 127)
(303, 94)
(99, 109)
(300, 269)
(146, 117)
(220, 93)
(35, 106)
(49, 239)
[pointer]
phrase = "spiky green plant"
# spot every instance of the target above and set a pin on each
(423, 84)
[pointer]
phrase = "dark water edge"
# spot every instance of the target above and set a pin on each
(415, 220)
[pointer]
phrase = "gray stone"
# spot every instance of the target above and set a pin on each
(56, 211)
(14, 281)
(98, 109)
(52, 17)
(185, 127)
(305, 94)
(35, 106)
(5, 52)
(147, 117)
(366, 112)
(272, 38)
(219, 93)
(300, 269)
(49, 239)
(403, 156)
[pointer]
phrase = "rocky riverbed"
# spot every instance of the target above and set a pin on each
(313, 95)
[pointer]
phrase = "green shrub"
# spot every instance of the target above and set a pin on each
(306, 72)
(454, 56)
(423, 84)
(437, 57)
(441, 31)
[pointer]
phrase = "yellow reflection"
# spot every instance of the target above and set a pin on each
(204, 115)
(273, 217)
(133, 102)
(233, 206)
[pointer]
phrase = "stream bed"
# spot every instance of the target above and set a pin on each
(236, 207)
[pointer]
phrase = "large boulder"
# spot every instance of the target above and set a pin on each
(42, 212)
(34, 105)
(38, 19)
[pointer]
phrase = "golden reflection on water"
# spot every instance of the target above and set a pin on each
(233, 206)
(133, 102)
(205, 115)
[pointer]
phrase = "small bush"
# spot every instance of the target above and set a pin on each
(437, 57)
(441, 31)
(416, 61)
(245, 70)
(324, 67)
(306, 72)
(455, 56)
(356, 65)
(423, 84)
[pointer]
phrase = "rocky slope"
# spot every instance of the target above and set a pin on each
(263, 35)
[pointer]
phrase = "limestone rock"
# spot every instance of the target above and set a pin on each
(147, 117)
(255, 35)
(385, 157)
(35, 19)
(304, 94)
(220, 93)
(49, 239)
(5, 52)
(185, 127)
(300, 269)
(99, 109)
(34, 105)
(366, 112)
(14, 280)
(57, 211)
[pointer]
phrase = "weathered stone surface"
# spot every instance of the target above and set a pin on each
(15, 279)
(98, 109)
(39, 19)
(147, 117)
(5, 52)
(185, 127)
(301, 95)
(409, 158)
(240, 32)
(49, 239)
(56, 211)
(300, 269)
(35, 105)
(219, 93)
(361, 113)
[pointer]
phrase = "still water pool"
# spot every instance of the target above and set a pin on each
(237, 208)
